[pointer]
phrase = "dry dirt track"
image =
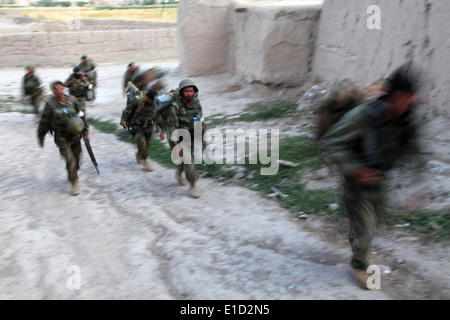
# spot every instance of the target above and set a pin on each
(138, 235)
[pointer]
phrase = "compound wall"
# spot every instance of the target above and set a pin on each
(104, 42)
(290, 42)
(352, 44)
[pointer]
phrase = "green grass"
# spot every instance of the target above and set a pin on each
(260, 111)
(430, 224)
(288, 180)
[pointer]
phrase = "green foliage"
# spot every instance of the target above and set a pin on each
(433, 224)
(52, 3)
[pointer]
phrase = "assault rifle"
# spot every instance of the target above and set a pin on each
(91, 153)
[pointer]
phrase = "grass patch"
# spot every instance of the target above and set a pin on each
(157, 149)
(431, 224)
(260, 111)
(287, 180)
(266, 111)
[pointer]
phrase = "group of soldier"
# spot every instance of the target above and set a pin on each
(140, 117)
(364, 143)
(81, 83)
(64, 115)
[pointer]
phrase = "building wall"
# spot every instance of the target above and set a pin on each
(290, 42)
(60, 48)
(417, 30)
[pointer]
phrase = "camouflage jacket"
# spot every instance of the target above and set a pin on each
(367, 136)
(88, 69)
(54, 120)
(129, 76)
(164, 118)
(184, 116)
(31, 85)
(139, 112)
(77, 87)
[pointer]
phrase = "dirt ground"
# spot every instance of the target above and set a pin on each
(132, 234)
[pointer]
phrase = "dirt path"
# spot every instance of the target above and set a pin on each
(133, 234)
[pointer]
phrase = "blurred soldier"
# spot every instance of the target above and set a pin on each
(129, 75)
(89, 69)
(138, 117)
(32, 87)
(364, 144)
(78, 85)
(185, 111)
(164, 121)
(61, 118)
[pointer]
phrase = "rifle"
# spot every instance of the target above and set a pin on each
(91, 153)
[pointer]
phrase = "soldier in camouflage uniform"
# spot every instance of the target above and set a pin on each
(89, 69)
(185, 111)
(138, 117)
(129, 75)
(364, 144)
(164, 121)
(60, 118)
(78, 85)
(32, 87)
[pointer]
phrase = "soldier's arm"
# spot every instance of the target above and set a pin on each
(68, 82)
(127, 112)
(44, 124)
(204, 127)
(172, 120)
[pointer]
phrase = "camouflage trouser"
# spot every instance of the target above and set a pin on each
(362, 205)
(35, 102)
(82, 101)
(190, 170)
(70, 149)
(142, 137)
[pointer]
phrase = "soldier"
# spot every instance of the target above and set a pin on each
(185, 111)
(165, 122)
(138, 117)
(32, 87)
(78, 85)
(60, 117)
(130, 73)
(364, 144)
(89, 69)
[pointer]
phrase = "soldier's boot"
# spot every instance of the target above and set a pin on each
(75, 190)
(138, 158)
(180, 178)
(194, 191)
(147, 165)
(361, 277)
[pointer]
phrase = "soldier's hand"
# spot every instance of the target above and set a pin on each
(86, 137)
(366, 176)
(41, 144)
(124, 125)
(161, 136)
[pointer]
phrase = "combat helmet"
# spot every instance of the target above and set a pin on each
(75, 125)
(186, 83)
